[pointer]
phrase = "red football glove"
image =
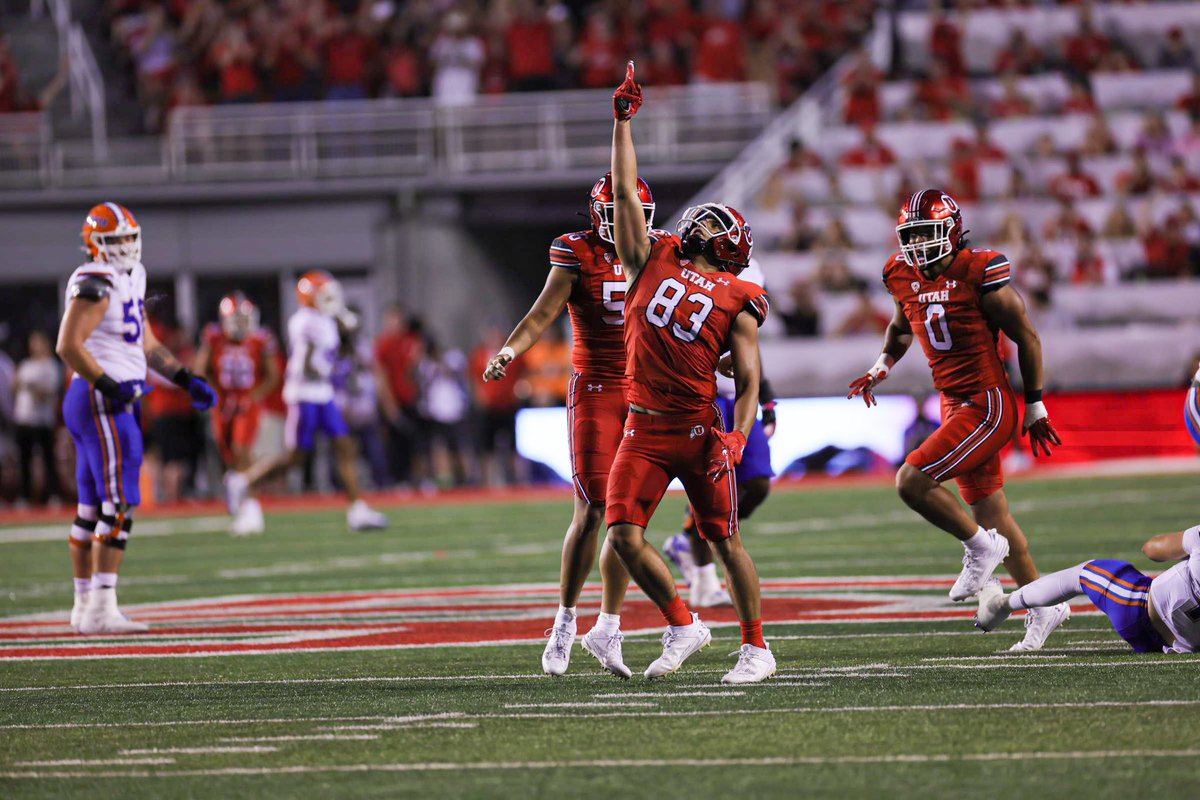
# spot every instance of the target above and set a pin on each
(865, 385)
(726, 454)
(627, 99)
(1037, 426)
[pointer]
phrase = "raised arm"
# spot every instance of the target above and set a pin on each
(547, 308)
(1006, 309)
(896, 341)
(629, 219)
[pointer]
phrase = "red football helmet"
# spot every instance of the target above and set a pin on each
(111, 235)
(600, 208)
(239, 316)
(936, 216)
(729, 246)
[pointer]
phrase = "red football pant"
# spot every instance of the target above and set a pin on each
(235, 427)
(655, 449)
(967, 446)
(596, 409)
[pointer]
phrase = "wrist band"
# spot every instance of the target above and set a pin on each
(182, 378)
(884, 362)
(1033, 396)
(507, 351)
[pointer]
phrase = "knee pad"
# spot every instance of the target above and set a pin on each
(84, 526)
(113, 529)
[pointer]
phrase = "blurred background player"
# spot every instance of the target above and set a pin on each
(958, 300)
(1191, 408)
(684, 306)
(105, 341)
(1153, 615)
(586, 277)
(238, 357)
(313, 343)
(687, 550)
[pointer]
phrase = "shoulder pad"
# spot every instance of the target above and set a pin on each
(759, 306)
(94, 287)
(997, 272)
(562, 254)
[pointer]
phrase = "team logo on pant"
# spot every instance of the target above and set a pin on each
(697, 431)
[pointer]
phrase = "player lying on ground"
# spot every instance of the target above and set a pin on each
(238, 357)
(684, 306)
(105, 340)
(1154, 615)
(957, 300)
(586, 278)
(313, 340)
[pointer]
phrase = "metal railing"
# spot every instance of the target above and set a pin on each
(412, 138)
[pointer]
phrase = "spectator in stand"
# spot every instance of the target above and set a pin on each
(234, 58)
(943, 95)
(1019, 56)
(835, 236)
(35, 412)
(457, 57)
(1188, 145)
(443, 406)
(720, 53)
(1079, 98)
(498, 403)
(349, 51)
(964, 173)
(289, 61)
(13, 97)
(597, 55)
(834, 276)
(1067, 223)
(870, 152)
(865, 318)
(802, 234)
(1098, 139)
(803, 319)
(152, 46)
(1018, 185)
(945, 42)
(862, 92)
(1179, 179)
(1119, 223)
(1075, 183)
(795, 64)
(201, 24)
(1118, 59)
(1175, 52)
(1089, 266)
(397, 349)
(1037, 275)
(1044, 148)
(1011, 103)
(772, 214)
(1083, 49)
(1190, 102)
(1155, 137)
(1168, 253)
(800, 158)
(1138, 179)
(529, 40)
(664, 67)
(402, 64)
(981, 147)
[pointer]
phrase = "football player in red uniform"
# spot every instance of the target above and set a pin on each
(684, 307)
(586, 277)
(957, 300)
(238, 357)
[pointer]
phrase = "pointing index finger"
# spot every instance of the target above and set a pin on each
(629, 71)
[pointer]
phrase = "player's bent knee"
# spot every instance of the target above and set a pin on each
(912, 484)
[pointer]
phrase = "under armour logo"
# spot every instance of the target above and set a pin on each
(629, 433)
(722, 281)
(595, 387)
(951, 284)
(697, 432)
(915, 285)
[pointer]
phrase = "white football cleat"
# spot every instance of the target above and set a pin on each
(361, 517)
(236, 490)
(678, 548)
(755, 664)
(679, 642)
(1039, 624)
(993, 607)
(249, 519)
(977, 568)
(607, 650)
(79, 609)
(706, 591)
(557, 655)
(103, 615)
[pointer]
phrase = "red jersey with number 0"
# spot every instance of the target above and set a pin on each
(238, 367)
(946, 314)
(596, 304)
(677, 324)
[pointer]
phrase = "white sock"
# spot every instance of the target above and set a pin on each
(1049, 590)
(83, 585)
(977, 542)
(565, 616)
(608, 624)
(707, 572)
(104, 580)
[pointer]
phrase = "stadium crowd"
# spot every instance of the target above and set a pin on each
(422, 419)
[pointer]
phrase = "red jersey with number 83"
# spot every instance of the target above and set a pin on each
(677, 324)
(946, 314)
(596, 304)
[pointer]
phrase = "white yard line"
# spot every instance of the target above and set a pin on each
(456, 766)
(97, 762)
(192, 751)
(671, 695)
(580, 705)
(399, 727)
(311, 737)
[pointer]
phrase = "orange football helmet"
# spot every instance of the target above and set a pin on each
(239, 316)
(111, 235)
(320, 290)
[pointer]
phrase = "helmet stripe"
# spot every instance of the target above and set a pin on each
(116, 209)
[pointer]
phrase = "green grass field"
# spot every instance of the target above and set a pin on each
(890, 705)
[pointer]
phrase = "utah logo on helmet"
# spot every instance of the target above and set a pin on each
(600, 206)
(930, 227)
(320, 290)
(111, 235)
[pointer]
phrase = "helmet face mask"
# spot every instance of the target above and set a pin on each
(719, 233)
(603, 201)
(929, 228)
(239, 316)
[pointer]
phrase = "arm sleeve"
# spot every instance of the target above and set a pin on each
(997, 273)
(561, 255)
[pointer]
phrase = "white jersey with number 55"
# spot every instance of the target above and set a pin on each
(118, 342)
